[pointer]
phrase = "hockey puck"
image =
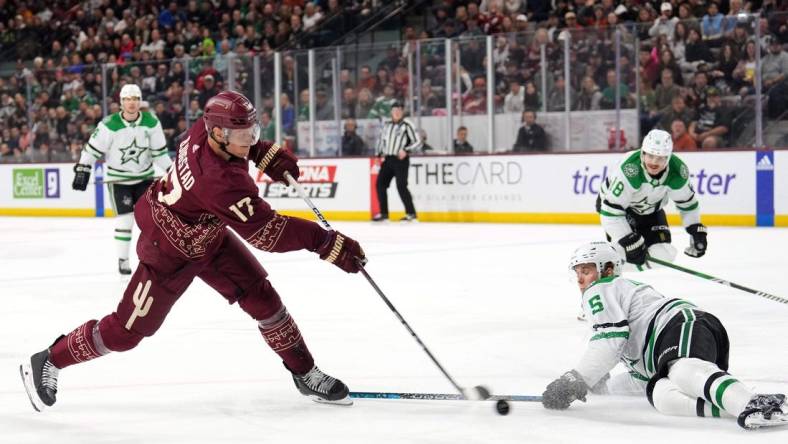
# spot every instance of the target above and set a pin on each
(502, 407)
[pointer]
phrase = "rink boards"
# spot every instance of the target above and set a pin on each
(743, 188)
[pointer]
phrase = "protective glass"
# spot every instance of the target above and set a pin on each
(243, 136)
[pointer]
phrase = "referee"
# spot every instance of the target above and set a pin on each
(398, 139)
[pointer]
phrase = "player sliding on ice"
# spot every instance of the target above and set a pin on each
(631, 202)
(676, 354)
(183, 219)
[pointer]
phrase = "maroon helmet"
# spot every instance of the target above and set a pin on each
(230, 110)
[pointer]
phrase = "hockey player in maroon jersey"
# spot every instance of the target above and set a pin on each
(183, 219)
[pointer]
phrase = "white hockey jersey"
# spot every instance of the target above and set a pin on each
(630, 187)
(626, 318)
(129, 148)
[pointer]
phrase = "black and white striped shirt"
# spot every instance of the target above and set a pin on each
(397, 136)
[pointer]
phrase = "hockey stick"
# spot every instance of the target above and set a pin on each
(478, 392)
(438, 396)
(719, 281)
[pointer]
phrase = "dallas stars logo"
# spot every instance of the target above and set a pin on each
(131, 153)
(631, 170)
(641, 205)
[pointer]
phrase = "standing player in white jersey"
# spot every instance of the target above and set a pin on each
(676, 353)
(631, 202)
(130, 141)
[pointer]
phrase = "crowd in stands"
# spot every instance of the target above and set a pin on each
(694, 59)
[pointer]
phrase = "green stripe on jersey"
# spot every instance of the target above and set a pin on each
(610, 335)
(609, 214)
(686, 333)
(678, 303)
(653, 333)
(120, 238)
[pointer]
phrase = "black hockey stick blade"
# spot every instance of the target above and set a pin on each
(439, 396)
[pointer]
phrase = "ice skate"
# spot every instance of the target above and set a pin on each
(380, 218)
(124, 267)
(40, 379)
(322, 387)
(409, 218)
(764, 411)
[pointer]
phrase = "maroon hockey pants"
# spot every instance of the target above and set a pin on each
(160, 280)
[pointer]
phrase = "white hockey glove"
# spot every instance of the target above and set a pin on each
(563, 391)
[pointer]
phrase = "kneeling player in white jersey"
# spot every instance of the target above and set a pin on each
(130, 141)
(631, 202)
(676, 353)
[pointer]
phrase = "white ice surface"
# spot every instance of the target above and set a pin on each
(493, 303)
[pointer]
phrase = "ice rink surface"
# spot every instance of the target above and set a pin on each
(493, 302)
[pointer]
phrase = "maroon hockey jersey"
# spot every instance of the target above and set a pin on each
(190, 208)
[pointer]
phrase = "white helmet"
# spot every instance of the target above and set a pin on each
(599, 254)
(130, 90)
(658, 143)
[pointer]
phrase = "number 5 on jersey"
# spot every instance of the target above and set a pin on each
(596, 304)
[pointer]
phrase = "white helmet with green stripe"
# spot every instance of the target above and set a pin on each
(599, 254)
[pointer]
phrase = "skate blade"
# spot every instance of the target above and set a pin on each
(26, 372)
(345, 402)
(756, 421)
